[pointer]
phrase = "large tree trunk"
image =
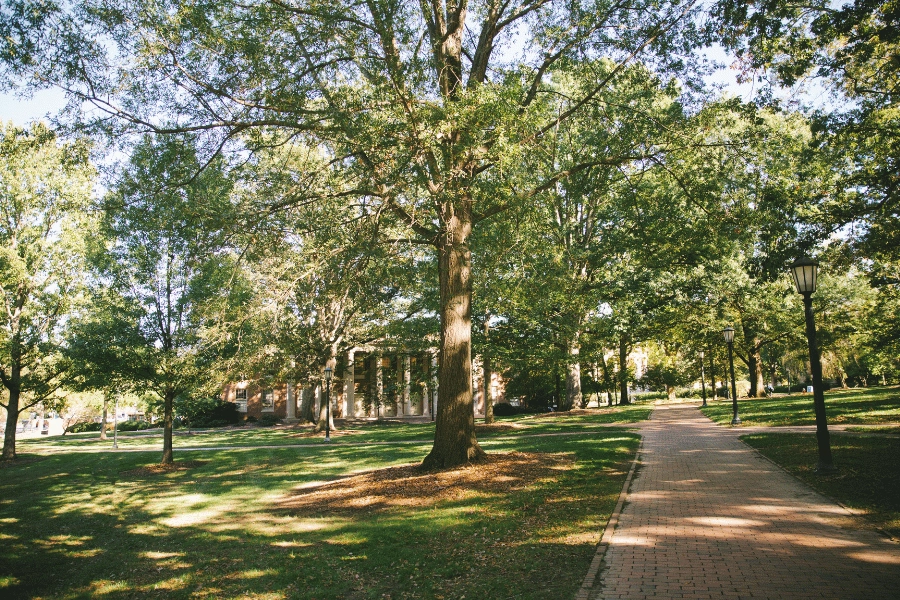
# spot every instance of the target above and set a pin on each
(488, 375)
(168, 414)
(755, 368)
(623, 371)
(454, 434)
(12, 420)
(573, 377)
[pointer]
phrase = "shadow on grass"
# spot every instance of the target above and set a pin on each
(239, 524)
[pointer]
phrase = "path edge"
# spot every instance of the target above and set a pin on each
(605, 540)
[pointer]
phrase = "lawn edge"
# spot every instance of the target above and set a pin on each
(605, 540)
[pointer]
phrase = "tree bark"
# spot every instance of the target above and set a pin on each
(712, 374)
(168, 414)
(623, 371)
(488, 375)
(103, 418)
(12, 420)
(754, 366)
(573, 377)
(454, 435)
(326, 416)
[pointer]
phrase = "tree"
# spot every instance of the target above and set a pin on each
(45, 186)
(419, 113)
(165, 266)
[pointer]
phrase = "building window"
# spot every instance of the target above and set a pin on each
(240, 398)
(268, 400)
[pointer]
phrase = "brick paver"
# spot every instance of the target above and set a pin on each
(707, 517)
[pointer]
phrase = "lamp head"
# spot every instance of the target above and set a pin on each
(805, 271)
(328, 373)
(728, 332)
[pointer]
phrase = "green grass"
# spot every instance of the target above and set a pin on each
(374, 432)
(868, 478)
(85, 524)
(863, 406)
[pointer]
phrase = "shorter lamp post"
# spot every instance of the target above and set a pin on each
(328, 404)
(728, 332)
(702, 378)
(805, 271)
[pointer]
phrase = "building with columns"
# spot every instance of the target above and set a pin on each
(368, 382)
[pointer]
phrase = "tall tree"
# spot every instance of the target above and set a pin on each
(45, 187)
(418, 111)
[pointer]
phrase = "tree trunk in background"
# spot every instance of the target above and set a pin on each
(712, 373)
(573, 377)
(326, 416)
(754, 366)
(454, 434)
(488, 374)
(168, 415)
(103, 417)
(670, 392)
(12, 420)
(623, 371)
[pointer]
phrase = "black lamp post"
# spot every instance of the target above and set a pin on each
(728, 332)
(328, 404)
(702, 378)
(805, 271)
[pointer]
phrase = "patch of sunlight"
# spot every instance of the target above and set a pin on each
(351, 557)
(9, 520)
(6, 536)
(197, 517)
(171, 584)
(102, 587)
(292, 544)
(726, 522)
(146, 529)
(62, 540)
(8, 581)
(160, 555)
(873, 556)
(251, 574)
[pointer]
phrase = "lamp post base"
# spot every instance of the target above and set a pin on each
(736, 421)
(327, 438)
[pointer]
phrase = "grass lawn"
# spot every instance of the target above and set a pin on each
(345, 520)
(372, 432)
(860, 406)
(868, 477)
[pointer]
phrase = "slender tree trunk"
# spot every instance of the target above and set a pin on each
(573, 377)
(168, 414)
(623, 371)
(670, 392)
(326, 416)
(712, 373)
(454, 435)
(12, 420)
(488, 375)
(103, 418)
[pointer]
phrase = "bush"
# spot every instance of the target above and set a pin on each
(137, 425)
(83, 426)
(268, 420)
(507, 410)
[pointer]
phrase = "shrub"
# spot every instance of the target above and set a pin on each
(136, 425)
(83, 426)
(507, 410)
(268, 420)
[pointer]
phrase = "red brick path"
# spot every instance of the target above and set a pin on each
(707, 517)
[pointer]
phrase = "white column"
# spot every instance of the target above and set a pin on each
(291, 401)
(349, 379)
(407, 406)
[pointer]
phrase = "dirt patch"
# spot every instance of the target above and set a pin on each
(411, 485)
(160, 469)
(575, 412)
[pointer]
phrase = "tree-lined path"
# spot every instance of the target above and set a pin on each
(707, 517)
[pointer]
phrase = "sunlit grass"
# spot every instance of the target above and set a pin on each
(225, 528)
(867, 480)
(863, 406)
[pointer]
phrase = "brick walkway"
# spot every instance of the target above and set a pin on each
(706, 517)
